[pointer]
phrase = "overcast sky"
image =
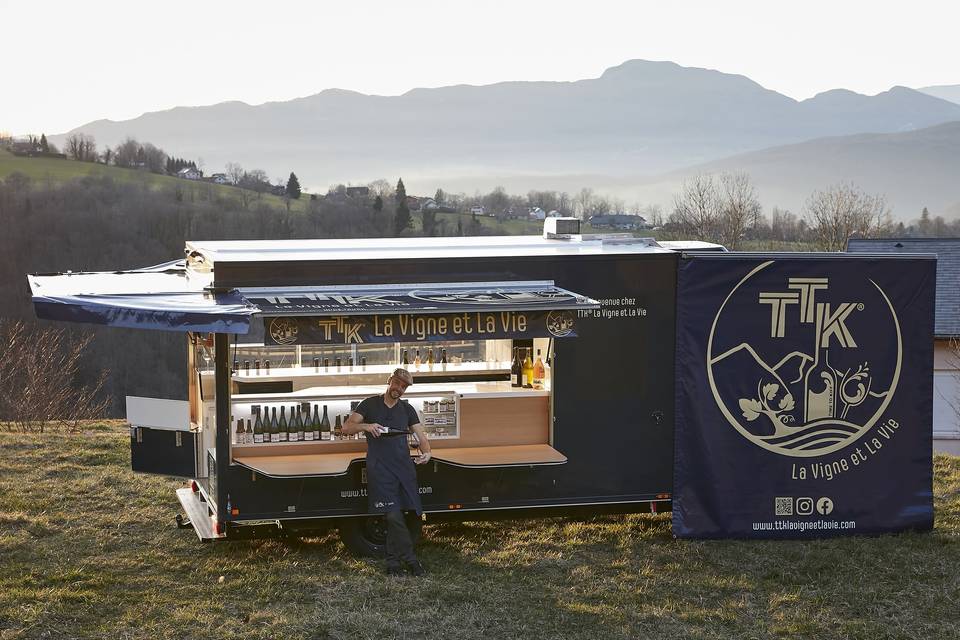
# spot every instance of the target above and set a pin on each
(65, 63)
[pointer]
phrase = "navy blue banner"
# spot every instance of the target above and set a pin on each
(433, 327)
(804, 396)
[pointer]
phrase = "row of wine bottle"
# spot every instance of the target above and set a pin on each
(300, 427)
(429, 360)
(526, 373)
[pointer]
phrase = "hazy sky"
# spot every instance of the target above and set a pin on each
(65, 63)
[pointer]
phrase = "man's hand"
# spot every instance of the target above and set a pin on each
(423, 458)
(373, 429)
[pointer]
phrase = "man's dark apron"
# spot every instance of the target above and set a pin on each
(391, 474)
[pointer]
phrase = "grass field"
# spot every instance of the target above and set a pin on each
(89, 550)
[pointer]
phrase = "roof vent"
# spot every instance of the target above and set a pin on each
(560, 227)
(899, 245)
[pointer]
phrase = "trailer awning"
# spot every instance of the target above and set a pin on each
(418, 312)
(418, 298)
(160, 297)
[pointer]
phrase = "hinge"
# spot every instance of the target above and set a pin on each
(179, 438)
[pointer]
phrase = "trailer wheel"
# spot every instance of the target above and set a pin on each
(367, 536)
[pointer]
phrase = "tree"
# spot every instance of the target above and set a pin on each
(235, 172)
(293, 186)
(739, 207)
(696, 209)
(844, 210)
(429, 219)
(44, 146)
(153, 158)
(81, 147)
(439, 196)
(401, 218)
(378, 204)
(125, 155)
(924, 226)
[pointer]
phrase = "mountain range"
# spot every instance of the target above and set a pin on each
(639, 125)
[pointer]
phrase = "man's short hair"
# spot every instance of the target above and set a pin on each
(403, 374)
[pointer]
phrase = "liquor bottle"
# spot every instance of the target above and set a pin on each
(528, 371)
(258, 430)
(315, 423)
(301, 436)
(417, 361)
(430, 356)
(539, 372)
(820, 380)
(338, 429)
(325, 426)
(406, 358)
(284, 427)
(241, 435)
(274, 427)
(516, 369)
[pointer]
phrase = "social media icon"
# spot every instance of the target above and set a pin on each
(824, 506)
(804, 506)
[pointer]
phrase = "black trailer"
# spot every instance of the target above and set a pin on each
(321, 323)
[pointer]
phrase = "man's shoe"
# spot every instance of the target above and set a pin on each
(394, 570)
(417, 569)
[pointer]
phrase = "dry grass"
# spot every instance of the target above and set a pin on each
(88, 549)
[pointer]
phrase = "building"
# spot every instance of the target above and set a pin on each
(220, 178)
(358, 192)
(946, 332)
(189, 173)
(618, 221)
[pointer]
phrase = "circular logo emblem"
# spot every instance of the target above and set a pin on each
(560, 323)
(804, 365)
(283, 330)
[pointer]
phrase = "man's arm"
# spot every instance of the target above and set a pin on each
(355, 424)
(425, 453)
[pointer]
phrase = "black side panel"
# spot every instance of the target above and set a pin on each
(161, 451)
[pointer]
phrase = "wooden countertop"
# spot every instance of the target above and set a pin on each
(331, 464)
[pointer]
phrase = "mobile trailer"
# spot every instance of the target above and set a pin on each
(334, 317)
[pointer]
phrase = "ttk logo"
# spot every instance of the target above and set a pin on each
(818, 375)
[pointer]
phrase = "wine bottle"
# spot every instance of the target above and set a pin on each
(256, 367)
(284, 426)
(258, 429)
(315, 423)
(528, 371)
(266, 366)
(241, 433)
(516, 373)
(274, 427)
(820, 380)
(337, 362)
(316, 365)
(301, 436)
(325, 425)
(338, 428)
(443, 359)
(539, 372)
(430, 356)
(406, 358)
(249, 432)
(246, 367)
(417, 361)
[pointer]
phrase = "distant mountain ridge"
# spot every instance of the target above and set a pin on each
(948, 92)
(638, 118)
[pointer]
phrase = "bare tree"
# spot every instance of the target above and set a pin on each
(381, 187)
(844, 210)
(697, 208)
(37, 371)
(235, 172)
(125, 155)
(739, 208)
(82, 147)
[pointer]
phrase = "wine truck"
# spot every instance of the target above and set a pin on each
(543, 374)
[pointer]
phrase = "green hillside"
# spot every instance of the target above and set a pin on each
(55, 170)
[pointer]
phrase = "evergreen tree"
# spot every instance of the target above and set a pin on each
(925, 227)
(44, 146)
(293, 186)
(401, 219)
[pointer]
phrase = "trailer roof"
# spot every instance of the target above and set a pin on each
(241, 251)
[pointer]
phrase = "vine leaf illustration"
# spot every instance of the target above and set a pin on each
(751, 408)
(770, 390)
(786, 403)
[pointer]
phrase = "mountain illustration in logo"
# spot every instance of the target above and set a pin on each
(824, 393)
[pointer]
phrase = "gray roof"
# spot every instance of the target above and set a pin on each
(947, 322)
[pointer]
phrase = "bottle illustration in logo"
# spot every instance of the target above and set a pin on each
(820, 382)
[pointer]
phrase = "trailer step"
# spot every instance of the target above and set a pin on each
(197, 514)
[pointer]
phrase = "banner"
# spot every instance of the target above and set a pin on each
(476, 325)
(804, 396)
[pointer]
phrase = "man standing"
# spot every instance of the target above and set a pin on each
(391, 477)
